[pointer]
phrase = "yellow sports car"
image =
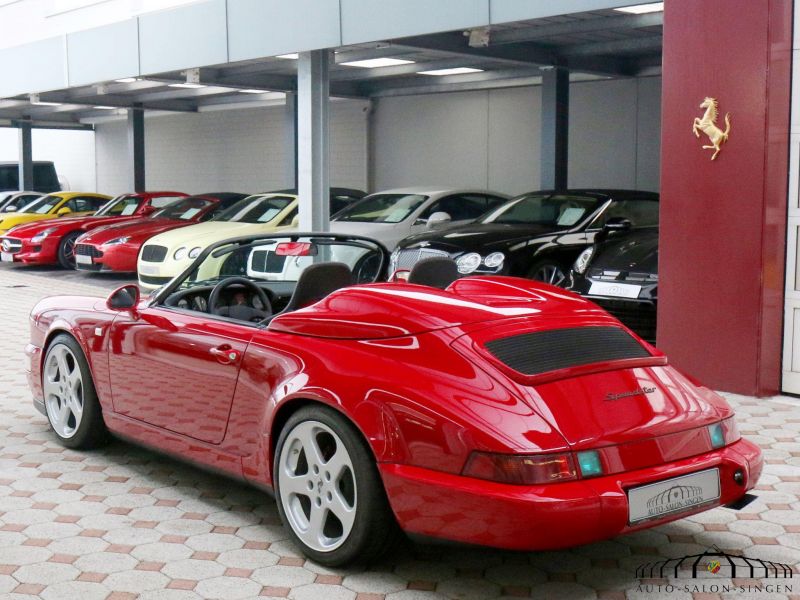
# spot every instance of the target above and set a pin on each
(57, 204)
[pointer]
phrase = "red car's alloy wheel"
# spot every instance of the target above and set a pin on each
(328, 490)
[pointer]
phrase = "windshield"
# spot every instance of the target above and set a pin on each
(183, 209)
(382, 208)
(255, 209)
(544, 209)
(42, 206)
(282, 259)
(121, 206)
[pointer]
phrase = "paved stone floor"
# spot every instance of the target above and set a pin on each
(123, 523)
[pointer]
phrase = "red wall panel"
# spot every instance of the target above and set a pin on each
(723, 222)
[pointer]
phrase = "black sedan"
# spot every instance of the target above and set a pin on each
(536, 235)
(621, 275)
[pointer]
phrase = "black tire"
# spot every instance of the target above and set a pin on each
(374, 531)
(91, 432)
(540, 269)
(66, 250)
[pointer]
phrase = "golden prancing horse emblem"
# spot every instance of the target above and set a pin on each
(708, 125)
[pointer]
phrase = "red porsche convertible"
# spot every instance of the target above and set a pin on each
(116, 247)
(488, 410)
(53, 241)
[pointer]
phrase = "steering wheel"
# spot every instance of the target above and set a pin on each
(243, 312)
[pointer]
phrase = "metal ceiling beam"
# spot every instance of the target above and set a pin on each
(379, 50)
(51, 125)
(466, 86)
(119, 102)
(526, 53)
(112, 88)
(630, 45)
(578, 26)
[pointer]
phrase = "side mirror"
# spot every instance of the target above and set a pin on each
(123, 298)
(617, 224)
(11, 208)
(148, 210)
(438, 218)
(63, 211)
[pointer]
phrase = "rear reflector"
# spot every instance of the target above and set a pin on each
(521, 469)
(556, 349)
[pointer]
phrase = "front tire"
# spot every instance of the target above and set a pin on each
(70, 399)
(329, 494)
(548, 271)
(66, 250)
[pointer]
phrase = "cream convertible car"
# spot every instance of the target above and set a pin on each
(166, 255)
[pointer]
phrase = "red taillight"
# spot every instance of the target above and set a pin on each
(521, 470)
(296, 249)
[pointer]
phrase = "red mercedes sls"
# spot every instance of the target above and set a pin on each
(53, 241)
(486, 409)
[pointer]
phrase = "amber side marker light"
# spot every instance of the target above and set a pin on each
(521, 470)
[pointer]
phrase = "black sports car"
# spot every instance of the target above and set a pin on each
(536, 235)
(621, 275)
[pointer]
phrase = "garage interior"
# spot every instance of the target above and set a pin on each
(559, 100)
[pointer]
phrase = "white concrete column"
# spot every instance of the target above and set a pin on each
(313, 168)
(290, 141)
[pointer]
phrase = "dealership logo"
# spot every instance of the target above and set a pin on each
(678, 497)
(715, 562)
(708, 125)
(637, 392)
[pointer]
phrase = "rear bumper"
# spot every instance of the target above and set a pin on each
(473, 511)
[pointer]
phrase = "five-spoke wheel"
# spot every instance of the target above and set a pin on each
(70, 399)
(328, 490)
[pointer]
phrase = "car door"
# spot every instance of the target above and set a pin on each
(177, 369)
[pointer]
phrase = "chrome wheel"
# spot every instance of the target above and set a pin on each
(63, 390)
(69, 249)
(550, 273)
(317, 485)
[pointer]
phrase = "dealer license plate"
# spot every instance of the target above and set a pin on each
(83, 259)
(148, 270)
(672, 495)
(6, 257)
(618, 290)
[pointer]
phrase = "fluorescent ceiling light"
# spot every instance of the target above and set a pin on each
(253, 91)
(105, 107)
(454, 71)
(375, 63)
(127, 80)
(191, 86)
(640, 9)
(290, 56)
(43, 103)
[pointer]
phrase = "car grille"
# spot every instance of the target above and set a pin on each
(408, 258)
(555, 349)
(11, 245)
(638, 316)
(153, 253)
(626, 276)
(88, 250)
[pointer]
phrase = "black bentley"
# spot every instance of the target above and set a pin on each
(621, 275)
(536, 235)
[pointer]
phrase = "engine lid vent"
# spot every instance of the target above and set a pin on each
(555, 349)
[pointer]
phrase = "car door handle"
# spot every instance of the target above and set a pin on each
(225, 354)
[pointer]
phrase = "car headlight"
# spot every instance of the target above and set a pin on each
(494, 260)
(195, 252)
(582, 263)
(39, 237)
(180, 253)
(468, 263)
(117, 241)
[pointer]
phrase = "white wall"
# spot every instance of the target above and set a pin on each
(232, 150)
(73, 153)
(491, 138)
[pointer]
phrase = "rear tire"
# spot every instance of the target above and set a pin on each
(66, 250)
(329, 493)
(70, 399)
